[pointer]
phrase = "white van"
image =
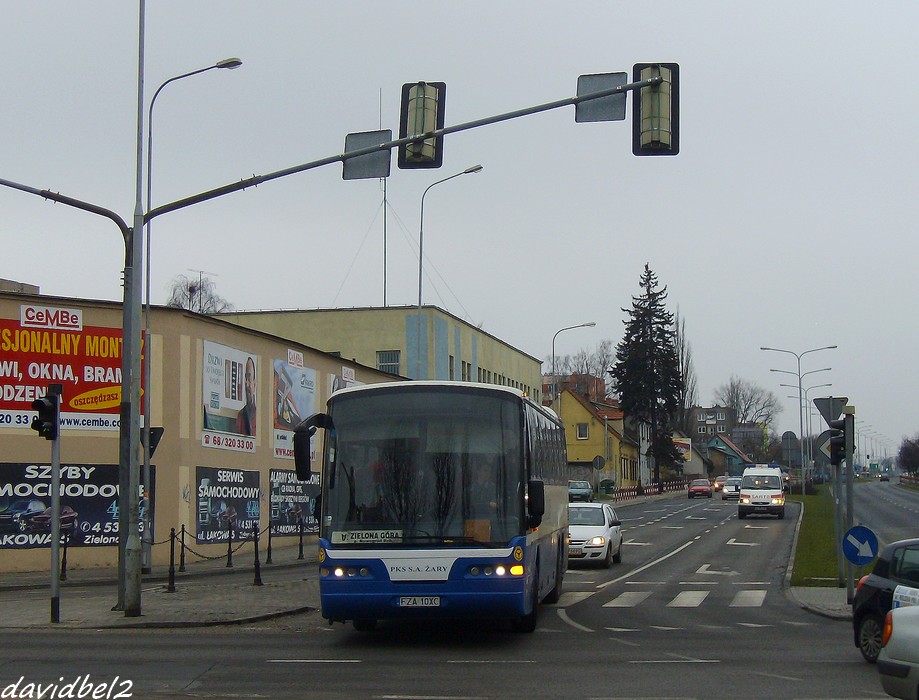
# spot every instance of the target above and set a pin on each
(761, 491)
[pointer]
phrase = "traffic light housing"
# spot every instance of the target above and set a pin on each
(423, 111)
(656, 110)
(47, 422)
(842, 438)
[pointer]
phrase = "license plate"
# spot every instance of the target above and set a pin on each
(575, 552)
(418, 601)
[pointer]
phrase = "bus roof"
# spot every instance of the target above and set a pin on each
(413, 385)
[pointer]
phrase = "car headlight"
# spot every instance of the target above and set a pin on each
(596, 541)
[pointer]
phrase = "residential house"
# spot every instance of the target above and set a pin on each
(726, 456)
(595, 429)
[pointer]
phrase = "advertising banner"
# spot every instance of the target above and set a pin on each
(227, 500)
(50, 344)
(295, 398)
(89, 505)
(230, 392)
(292, 500)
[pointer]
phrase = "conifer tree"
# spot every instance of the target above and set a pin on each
(647, 370)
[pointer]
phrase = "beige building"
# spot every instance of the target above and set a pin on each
(226, 397)
(389, 339)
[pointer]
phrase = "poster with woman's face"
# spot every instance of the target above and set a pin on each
(230, 396)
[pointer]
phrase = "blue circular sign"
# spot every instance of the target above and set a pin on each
(860, 545)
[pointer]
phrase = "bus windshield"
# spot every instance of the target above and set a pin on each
(424, 467)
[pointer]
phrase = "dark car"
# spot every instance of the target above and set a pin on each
(897, 564)
(16, 516)
(700, 487)
(580, 491)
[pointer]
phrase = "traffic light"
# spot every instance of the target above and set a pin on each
(423, 110)
(837, 441)
(656, 110)
(47, 422)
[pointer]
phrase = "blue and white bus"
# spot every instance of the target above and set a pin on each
(439, 500)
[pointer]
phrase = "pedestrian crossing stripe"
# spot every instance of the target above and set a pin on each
(752, 598)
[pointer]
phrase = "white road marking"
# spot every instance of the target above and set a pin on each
(748, 599)
(742, 544)
(704, 569)
(572, 598)
(688, 599)
(628, 599)
(314, 661)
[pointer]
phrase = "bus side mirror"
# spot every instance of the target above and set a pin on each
(302, 433)
(536, 502)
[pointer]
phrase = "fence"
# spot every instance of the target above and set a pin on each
(632, 492)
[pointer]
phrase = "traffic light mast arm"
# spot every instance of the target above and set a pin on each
(388, 145)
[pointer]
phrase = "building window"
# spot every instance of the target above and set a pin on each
(466, 369)
(582, 431)
(388, 361)
(720, 415)
(721, 429)
(452, 368)
(701, 430)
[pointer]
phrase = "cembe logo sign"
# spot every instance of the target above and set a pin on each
(50, 318)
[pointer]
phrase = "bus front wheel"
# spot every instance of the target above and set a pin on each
(527, 623)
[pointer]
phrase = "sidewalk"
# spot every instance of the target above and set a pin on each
(825, 601)
(207, 593)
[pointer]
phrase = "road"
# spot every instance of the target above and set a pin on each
(695, 610)
(891, 512)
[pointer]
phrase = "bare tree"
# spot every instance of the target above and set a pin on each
(689, 391)
(592, 363)
(751, 402)
(198, 295)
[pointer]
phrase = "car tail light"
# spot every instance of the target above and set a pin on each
(888, 628)
(860, 582)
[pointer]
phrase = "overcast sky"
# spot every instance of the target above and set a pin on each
(787, 220)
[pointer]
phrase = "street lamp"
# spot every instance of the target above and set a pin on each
(807, 403)
(589, 324)
(147, 542)
(467, 171)
(798, 356)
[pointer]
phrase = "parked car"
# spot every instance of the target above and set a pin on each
(898, 660)
(719, 482)
(17, 514)
(700, 487)
(595, 533)
(897, 564)
(884, 477)
(731, 489)
(580, 491)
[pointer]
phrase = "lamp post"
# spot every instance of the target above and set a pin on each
(798, 356)
(467, 171)
(810, 457)
(589, 324)
(147, 542)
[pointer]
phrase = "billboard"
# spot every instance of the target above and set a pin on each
(230, 394)
(227, 500)
(292, 500)
(51, 344)
(295, 398)
(89, 505)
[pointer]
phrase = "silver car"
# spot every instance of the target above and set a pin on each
(595, 533)
(731, 489)
(898, 661)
